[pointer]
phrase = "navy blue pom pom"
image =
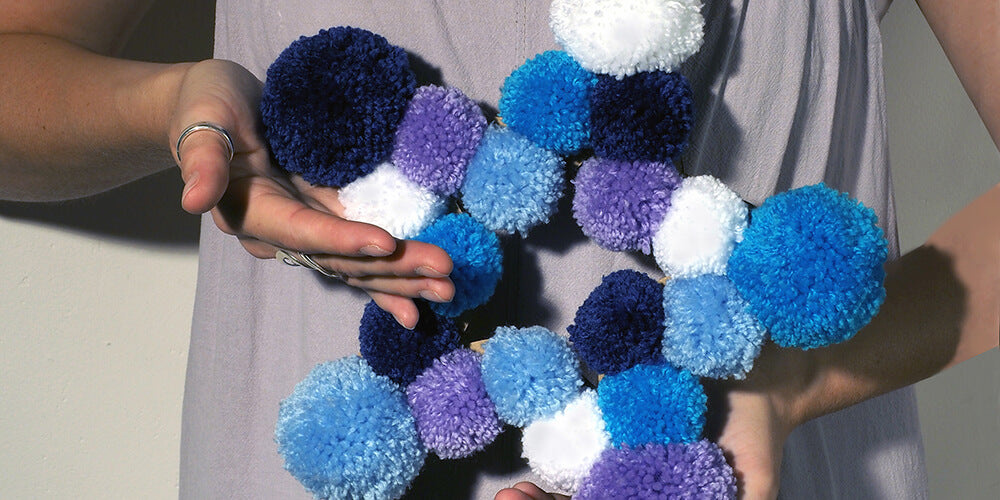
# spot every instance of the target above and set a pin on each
(646, 116)
(332, 102)
(402, 354)
(620, 324)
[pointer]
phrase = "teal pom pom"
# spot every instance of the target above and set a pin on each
(652, 404)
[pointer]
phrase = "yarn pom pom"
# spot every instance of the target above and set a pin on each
(697, 470)
(477, 258)
(620, 324)
(438, 136)
(332, 102)
(455, 417)
(706, 220)
(387, 199)
(530, 373)
(346, 432)
(709, 328)
(620, 204)
(547, 100)
(562, 448)
(647, 116)
(622, 37)
(652, 404)
(811, 266)
(512, 183)
(402, 354)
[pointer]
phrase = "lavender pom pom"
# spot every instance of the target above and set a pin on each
(455, 417)
(620, 324)
(646, 116)
(698, 470)
(437, 138)
(652, 404)
(331, 104)
(620, 204)
(402, 354)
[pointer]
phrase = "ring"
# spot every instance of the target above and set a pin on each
(197, 127)
(296, 259)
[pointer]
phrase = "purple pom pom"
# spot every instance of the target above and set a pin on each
(697, 470)
(402, 354)
(620, 204)
(438, 137)
(455, 417)
(646, 116)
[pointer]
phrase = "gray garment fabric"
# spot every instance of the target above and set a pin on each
(789, 94)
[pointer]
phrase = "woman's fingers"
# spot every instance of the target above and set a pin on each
(204, 157)
(401, 308)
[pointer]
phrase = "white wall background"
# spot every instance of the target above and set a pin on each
(95, 300)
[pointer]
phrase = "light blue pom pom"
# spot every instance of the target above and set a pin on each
(346, 432)
(708, 327)
(530, 373)
(652, 404)
(512, 184)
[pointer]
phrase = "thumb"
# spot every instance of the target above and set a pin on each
(204, 155)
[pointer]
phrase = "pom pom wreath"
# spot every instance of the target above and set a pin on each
(437, 138)
(346, 432)
(697, 470)
(530, 373)
(387, 199)
(477, 258)
(401, 354)
(622, 37)
(620, 324)
(562, 448)
(652, 404)
(620, 204)
(709, 328)
(547, 100)
(332, 102)
(647, 116)
(455, 417)
(706, 220)
(810, 266)
(512, 184)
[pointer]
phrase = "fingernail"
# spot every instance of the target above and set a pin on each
(375, 251)
(404, 325)
(431, 296)
(430, 272)
(189, 185)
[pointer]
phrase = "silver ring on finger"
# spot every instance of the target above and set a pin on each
(199, 126)
(297, 259)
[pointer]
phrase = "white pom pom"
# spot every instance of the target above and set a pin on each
(562, 448)
(387, 199)
(623, 37)
(704, 223)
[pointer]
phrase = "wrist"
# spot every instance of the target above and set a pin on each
(147, 102)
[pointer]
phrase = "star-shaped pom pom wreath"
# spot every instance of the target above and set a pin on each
(400, 353)
(530, 373)
(512, 184)
(620, 324)
(622, 37)
(346, 432)
(698, 470)
(437, 138)
(391, 201)
(646, 116)
(652, 404)
(547, 100)
(620, 204)
(331, 104)
(810, 265)
(455, 417)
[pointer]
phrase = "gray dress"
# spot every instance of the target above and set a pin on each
(789, 93)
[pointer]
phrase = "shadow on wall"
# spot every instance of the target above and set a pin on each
(147, 210)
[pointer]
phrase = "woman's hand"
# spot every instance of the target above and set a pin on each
(268, 209)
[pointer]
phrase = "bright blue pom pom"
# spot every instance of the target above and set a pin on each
(346, 432)
(530, 373)
(547, 100)
(709, 328)
(332, 102)
(655, 404)
(402, 354)
(620, 324)
(477, 258)
(810, 265)
(512, 184)
(646, 116)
